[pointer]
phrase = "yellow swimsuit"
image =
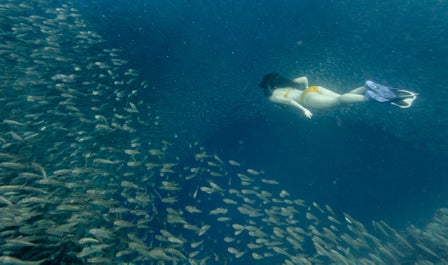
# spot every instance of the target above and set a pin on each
(307, 91)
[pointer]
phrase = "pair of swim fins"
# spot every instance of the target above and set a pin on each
(397, 97)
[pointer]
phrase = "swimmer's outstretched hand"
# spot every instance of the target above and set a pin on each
(307, 113)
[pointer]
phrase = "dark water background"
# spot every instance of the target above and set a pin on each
(204, 60)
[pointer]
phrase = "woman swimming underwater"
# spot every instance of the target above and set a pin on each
(285, 91)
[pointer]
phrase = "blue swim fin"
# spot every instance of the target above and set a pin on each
(404, 99)
(397, 97)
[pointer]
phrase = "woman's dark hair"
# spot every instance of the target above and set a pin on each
(272, 81)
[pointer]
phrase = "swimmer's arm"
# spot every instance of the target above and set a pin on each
(306, 111)
(301, 81)
(279, 97)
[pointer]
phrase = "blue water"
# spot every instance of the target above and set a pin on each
(204, 60)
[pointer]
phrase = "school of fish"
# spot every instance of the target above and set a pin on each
(86, 177)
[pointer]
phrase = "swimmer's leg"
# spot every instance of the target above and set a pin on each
(344, 99)
(319, 101)
(350, 98)
(327, 92)
(360, 90)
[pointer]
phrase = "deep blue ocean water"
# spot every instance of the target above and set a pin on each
(205, 59)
